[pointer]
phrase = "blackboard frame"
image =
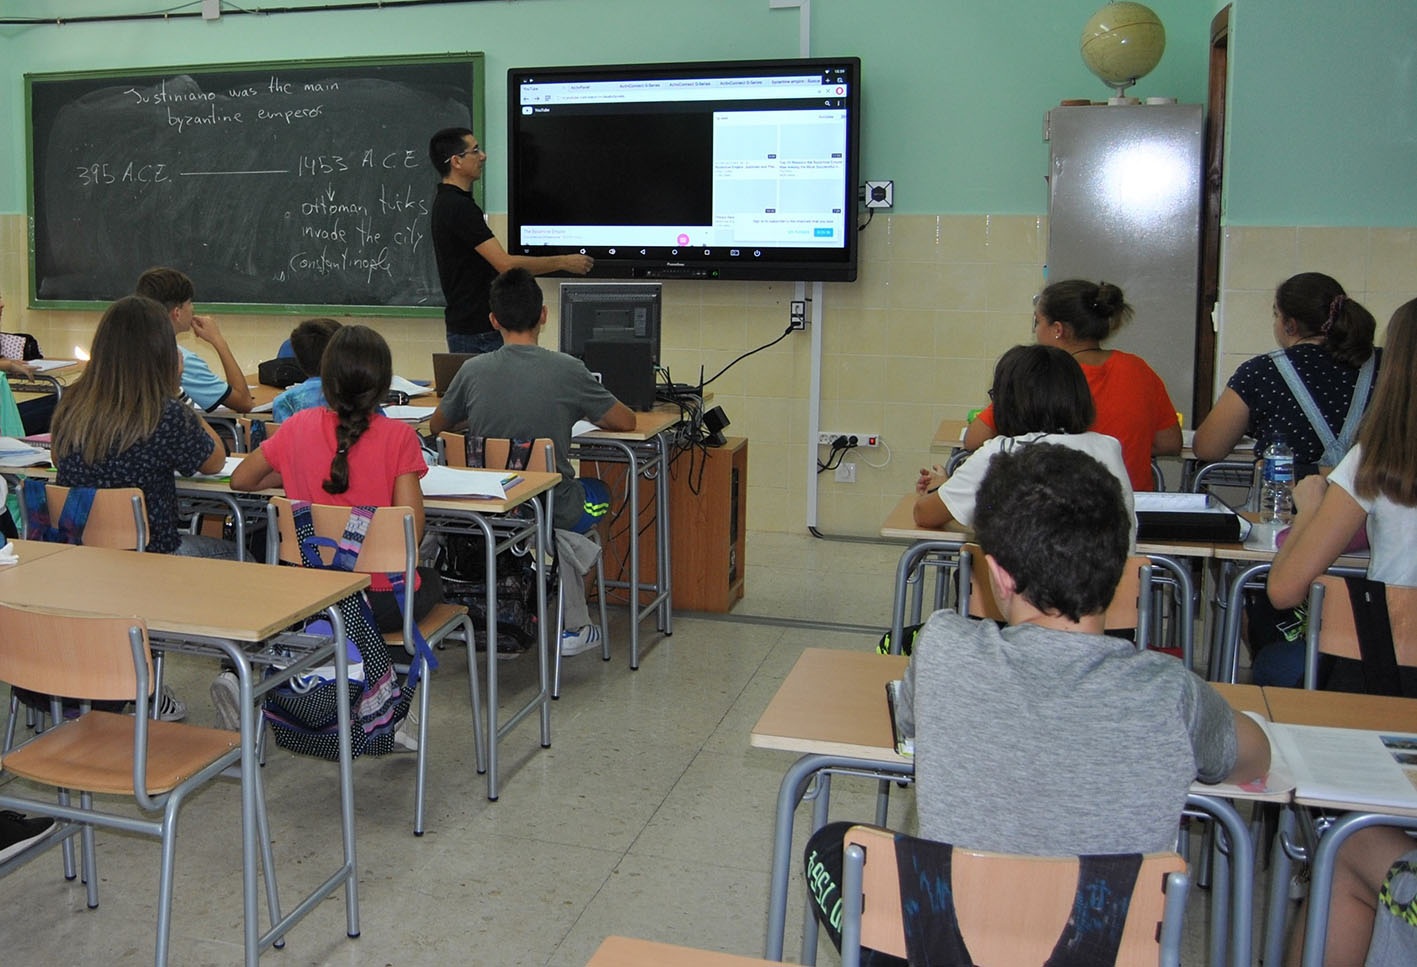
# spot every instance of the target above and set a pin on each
(473, 61)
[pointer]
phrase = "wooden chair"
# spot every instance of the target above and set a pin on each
(1332, 630)
(118, 518)
(157, 764)
(628, 952)
(976, 594)
(1011, 909)
(389, 547)
(452, 448)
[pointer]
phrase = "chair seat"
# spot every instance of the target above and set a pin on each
(438, 618)
(94, 753)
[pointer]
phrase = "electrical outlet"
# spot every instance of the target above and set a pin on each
(862, 439)
(846, 473)
(797, 314)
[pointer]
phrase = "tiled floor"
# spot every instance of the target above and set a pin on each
(649, 815)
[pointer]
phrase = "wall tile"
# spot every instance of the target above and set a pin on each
(1258, 258)
(1392, 260)
(1339, 252)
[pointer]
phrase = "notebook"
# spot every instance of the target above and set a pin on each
(445, 367)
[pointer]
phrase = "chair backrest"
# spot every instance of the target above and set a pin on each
(1332, 630)
(497, 451)
(1122, 612)
(388, 548)
(1011, 908)
(118, 518)
(70, 655)
(1237, 474)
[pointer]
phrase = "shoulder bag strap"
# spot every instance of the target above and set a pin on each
(1093, 933)
(1370, 618)
(1349, 433)
(1304, 398)
(932, 935)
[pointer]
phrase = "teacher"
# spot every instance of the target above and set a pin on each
(469, 255)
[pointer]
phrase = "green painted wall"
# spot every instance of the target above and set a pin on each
(1323, 113)
(954, 90)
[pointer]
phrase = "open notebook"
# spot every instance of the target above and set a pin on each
(1350, 766)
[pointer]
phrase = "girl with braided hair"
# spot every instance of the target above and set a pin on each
(349, 454)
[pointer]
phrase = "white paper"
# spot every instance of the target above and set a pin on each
(228, 465)
(16, 453)
(409, 386)
(48, 365)
(582, 427)
(457, 482)
(1276, 785)
(1350, 765)
(1188, 440)
(264, 407)
(409, 414)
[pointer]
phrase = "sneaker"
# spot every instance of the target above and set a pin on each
(170, 708)
(226, 697)
(17, 832)
(575, 642)
(406, 737)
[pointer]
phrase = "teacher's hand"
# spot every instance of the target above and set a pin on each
(579, 264)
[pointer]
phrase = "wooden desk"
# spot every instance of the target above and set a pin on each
(939, 548)
(1244, 698)
(30, 551)
(625, 952)
(949, 436)
(645, 452)
(832, 707)
(239, 603)
(1342, 710)
(1332, 710)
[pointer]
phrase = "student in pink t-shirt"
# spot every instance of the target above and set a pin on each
(351, 455)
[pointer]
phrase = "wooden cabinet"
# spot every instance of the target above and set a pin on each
(708, 513)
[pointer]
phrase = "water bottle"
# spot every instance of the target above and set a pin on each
(1277, 488)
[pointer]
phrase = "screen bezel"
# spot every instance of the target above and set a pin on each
(837, 264)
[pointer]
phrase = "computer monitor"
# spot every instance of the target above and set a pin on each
(608, 311)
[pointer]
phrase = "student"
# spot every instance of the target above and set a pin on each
(121, 425)
(1374, 486)
(1132, 404)
(349, 454)
(1048, 737)
(1325, 339)
(522, 392)
(468, 254)
(307, 342)
(1039, 393)
(174, 290)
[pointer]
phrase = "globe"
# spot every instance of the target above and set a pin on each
(1122, 42)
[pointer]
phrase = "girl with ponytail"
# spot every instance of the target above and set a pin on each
(350, 454)
(1325, 344)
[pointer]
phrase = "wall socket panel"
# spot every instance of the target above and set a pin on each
(846, 473)
(863, 439)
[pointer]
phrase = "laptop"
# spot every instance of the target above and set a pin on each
(445, 367)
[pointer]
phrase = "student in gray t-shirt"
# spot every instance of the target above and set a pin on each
(1048, 737)
(523, 391)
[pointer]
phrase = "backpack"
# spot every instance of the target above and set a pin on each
(304, 716)
(19, 345)
(1334, 446)
(72, 519)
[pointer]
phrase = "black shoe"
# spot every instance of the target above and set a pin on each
(17, 832)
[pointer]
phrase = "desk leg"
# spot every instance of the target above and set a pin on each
(1220, 900)
(545, 539)
(1321, 881)
(821, 803)
(489, 544)
(346, 775)
(1280, 869)
(789, 794)
(664, 568)
(1242, 871)
(251, 925)
(633, 495)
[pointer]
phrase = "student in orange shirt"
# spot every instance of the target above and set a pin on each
(1132, 403)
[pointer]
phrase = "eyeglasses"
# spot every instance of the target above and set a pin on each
(462, 154)
(991, 396)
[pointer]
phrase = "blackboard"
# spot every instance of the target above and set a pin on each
(302, 186)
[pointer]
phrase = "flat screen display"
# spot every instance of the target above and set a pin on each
(723, 170)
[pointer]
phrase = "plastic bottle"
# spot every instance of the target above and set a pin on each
(1277, 487)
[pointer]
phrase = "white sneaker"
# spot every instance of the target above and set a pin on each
(575, 642)
(226, 697)
(170, 708)
(406, 736)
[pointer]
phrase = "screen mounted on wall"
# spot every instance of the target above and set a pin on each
(724, 170)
